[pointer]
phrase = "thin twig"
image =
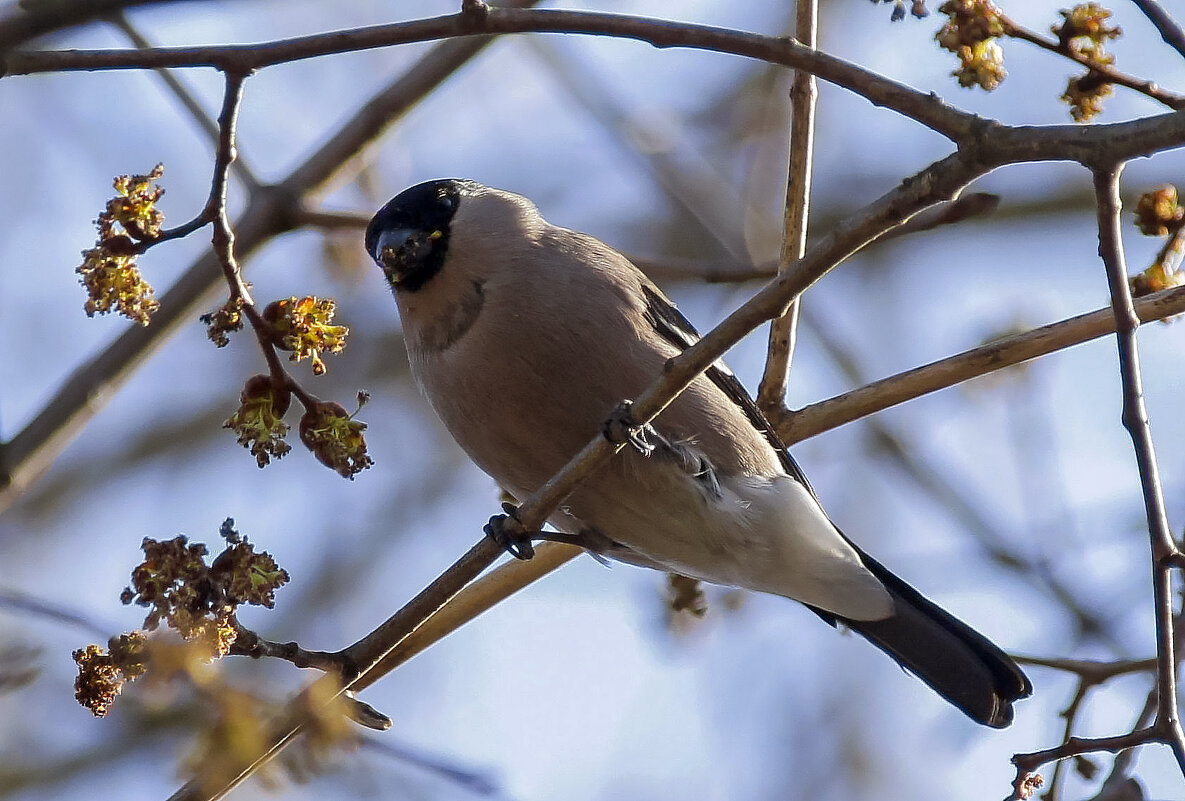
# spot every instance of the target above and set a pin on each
(1090, 674)
(1027, 764)
(1105, 71)
(269, 213)
(879, 395)
(185, 98)
(1135, 420)
(14, 599)
(30, 20)
(476, 598)
(224, 237)
(1070, 716)
(783, 331)
(248, 643)
(1090, 670)
(1172, 33)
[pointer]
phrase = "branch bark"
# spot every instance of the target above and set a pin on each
(1172, 33)
(920, 106)
(1135, 420)
(795, 426)
(783, 331)
(271, 211)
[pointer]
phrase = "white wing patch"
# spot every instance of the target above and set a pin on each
(804, 556)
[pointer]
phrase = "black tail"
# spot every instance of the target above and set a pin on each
(959, 663)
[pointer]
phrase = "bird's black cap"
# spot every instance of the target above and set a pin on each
(408, 237)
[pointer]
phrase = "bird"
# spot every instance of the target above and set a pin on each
(528, 339)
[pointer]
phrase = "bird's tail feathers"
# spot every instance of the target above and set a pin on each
(957, 662)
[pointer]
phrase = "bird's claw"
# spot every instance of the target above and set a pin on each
(476, 9)
(363, 713)
(509, 533)
(622, 429)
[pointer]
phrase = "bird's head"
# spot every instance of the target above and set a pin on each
(409, 237)
(413, 234)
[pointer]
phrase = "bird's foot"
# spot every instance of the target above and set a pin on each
(476, 10)
(622, 429)
(591, 540)
(510, 533)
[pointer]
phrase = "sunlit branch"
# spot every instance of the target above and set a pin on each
(783, 331)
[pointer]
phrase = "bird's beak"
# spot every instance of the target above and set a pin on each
(400, 250)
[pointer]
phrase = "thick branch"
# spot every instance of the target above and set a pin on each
(1117, 141)
(920, 106)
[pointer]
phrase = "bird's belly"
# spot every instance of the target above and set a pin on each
(668, 518)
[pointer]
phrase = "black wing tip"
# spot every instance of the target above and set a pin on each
(1001, 714)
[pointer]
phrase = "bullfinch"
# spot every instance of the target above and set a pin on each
(525, 338)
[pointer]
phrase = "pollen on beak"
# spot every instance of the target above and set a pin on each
(401, 250)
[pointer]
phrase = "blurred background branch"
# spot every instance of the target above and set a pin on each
(1048, 571)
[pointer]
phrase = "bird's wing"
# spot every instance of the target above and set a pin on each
(959, 663)
(676, 329)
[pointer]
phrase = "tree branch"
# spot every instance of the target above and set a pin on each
(184, 97)
(269, 213)
(1172, 33)
(1135, 420)
(27, 21)
(920, 106)
(1026, 764)
(1104, 71)
(783, 331)
(815, 418)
